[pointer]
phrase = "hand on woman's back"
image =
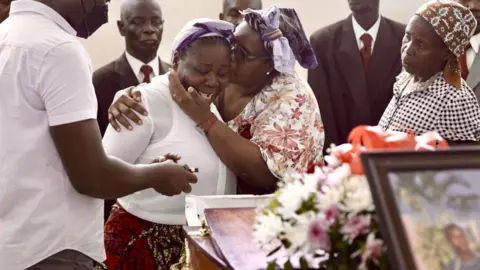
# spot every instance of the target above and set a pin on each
(123, 108)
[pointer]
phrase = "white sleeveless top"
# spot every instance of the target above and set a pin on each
(167, 129)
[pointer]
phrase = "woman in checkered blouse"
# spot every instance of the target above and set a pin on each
(430, 94)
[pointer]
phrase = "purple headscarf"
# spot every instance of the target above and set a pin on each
(199, 28)
(283, 36)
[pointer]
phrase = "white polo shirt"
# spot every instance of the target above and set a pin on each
(45, 80)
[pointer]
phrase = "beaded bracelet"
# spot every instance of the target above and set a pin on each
(209, 124)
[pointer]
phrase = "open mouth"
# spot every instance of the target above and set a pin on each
(206, 96)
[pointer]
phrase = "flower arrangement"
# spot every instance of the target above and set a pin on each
(329, 211)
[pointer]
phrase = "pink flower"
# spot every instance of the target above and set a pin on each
(372, 250)
(331, 213)
(356, 226)
(318, 235)
(300, 99)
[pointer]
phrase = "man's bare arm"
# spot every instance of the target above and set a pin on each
(95, 174)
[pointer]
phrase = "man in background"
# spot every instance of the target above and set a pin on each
(232, 9)
(470, 60)
(359, 58)
(4, 9)
(141, 24)
(465, 259)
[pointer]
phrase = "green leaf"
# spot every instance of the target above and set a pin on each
(288, 265)
(308, 205)
(342, 246)
(271, 265)
(273, 204)
(304, 264)
(343, 267)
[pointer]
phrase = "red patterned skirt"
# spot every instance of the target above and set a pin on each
(132, 243)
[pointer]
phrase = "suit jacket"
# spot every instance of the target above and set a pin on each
(347, 95)
(473, 79)
(111, 78)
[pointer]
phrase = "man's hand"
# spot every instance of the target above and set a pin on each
(176, 179)
(123, 109)
(174, 185)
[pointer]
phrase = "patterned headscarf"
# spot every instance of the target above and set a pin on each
(199, 28)
(283, 36)
(454, 24)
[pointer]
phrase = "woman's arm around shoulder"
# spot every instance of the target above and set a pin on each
(127, 144)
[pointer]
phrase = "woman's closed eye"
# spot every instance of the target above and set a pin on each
(221, 73)
(202, 71)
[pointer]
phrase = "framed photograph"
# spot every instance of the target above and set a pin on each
(428, 206)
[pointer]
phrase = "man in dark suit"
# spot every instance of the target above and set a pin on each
(359, 58)
(470, 61)
(232, 9)
(141, 24)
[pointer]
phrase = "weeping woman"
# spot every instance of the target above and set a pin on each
(272, 121)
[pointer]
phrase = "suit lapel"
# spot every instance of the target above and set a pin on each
(474, 74)
(350, 62)
(385, 54)
(163, 67)
(126, 76)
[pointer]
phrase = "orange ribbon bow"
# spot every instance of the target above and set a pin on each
(364, 138)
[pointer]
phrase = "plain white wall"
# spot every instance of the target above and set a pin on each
(106, 44)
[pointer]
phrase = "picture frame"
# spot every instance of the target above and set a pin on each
(378, 166)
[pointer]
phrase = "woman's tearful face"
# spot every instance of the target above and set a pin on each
(205, 65)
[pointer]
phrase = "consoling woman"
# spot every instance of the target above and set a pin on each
(430, 94)
(272, 121)
(144, 230)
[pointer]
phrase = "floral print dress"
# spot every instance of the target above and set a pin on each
(284, 121)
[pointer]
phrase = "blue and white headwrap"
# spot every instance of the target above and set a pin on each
(283, 36)
(199, 28)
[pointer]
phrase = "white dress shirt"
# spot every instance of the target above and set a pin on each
(136, 65)
(472, 52)
(359, 32)
(45, 81)
(167, 129)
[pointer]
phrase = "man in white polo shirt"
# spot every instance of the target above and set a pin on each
(53, 170)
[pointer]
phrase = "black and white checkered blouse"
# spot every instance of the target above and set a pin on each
(453, 113)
